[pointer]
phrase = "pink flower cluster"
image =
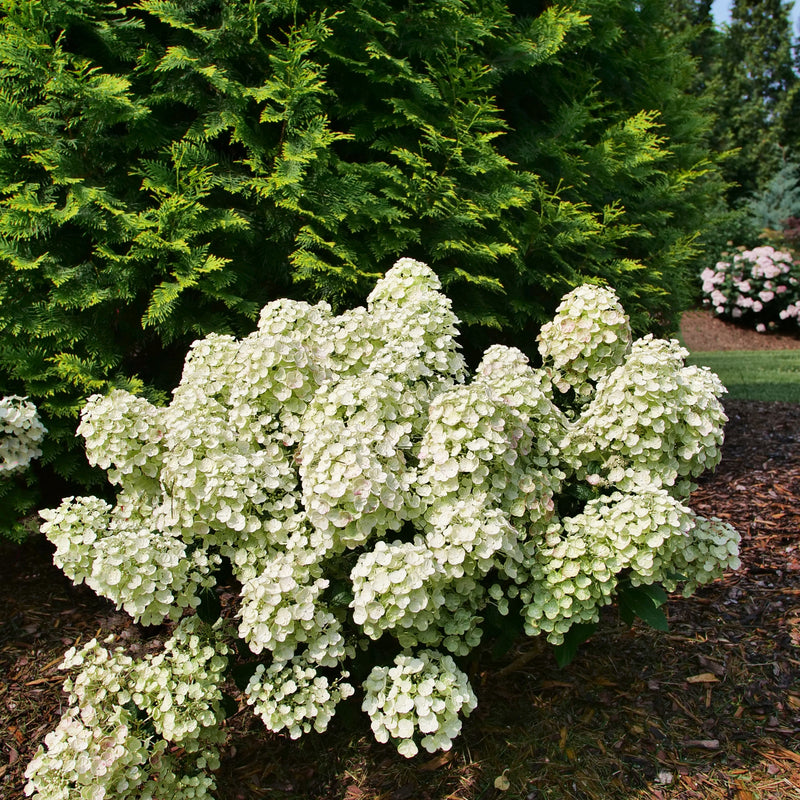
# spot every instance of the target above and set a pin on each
(762, 285)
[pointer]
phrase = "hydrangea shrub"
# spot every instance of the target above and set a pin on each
(378, 507)
(760, 287)
(21, 433)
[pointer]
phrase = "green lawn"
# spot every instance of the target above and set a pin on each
(756, 374)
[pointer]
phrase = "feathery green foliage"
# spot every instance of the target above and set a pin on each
(693, 20)
(168, 168)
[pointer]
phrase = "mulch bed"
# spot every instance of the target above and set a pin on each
(709, 710)
(702, 331)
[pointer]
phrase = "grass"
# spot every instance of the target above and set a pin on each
(755, 374)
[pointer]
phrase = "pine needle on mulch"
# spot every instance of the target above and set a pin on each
(709, 710)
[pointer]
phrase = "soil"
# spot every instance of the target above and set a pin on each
(710, 709)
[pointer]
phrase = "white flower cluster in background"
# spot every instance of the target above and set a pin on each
(116, 739)
(21, 433)
(372, 500)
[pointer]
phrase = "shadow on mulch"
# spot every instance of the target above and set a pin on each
(709, 710)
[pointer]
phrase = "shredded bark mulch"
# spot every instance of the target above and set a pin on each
(710, 709)
(702, 331)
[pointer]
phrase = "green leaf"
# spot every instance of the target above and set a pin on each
(340, 593)
(505, 629)
(209, 608)
(573, 639)
(676, 576)
(645, 603)
(509, 631)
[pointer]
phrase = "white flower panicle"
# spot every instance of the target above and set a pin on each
(475, 442)
(123, 436)
(569, 582)
(208, 370)
(219, 475)
(417, 324)
(395, 586)
(179, 687)
(574, 573)
(486, 446)
(363, 489)
(278, 369)
(711, 549)
(21, 433)
(292, 696)
(419, 696)
(411, 590)
(648, 534)
(528, 392)
(74, 528)
(281, 610)
(352, 462)
(351, 341)
(469, 537)
(589, 336)
(117, 551)
(652, 420)
(104, 746)
(91, 759)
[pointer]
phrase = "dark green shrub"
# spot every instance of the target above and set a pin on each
(168, 168)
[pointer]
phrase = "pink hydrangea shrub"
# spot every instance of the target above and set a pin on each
(760, 287)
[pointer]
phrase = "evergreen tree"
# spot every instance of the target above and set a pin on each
(779, 201)
(616, 127)
(693, 21)
(754, 86)
(168, 168)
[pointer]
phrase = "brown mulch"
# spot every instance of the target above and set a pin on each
(702, 331)
(709, 710)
